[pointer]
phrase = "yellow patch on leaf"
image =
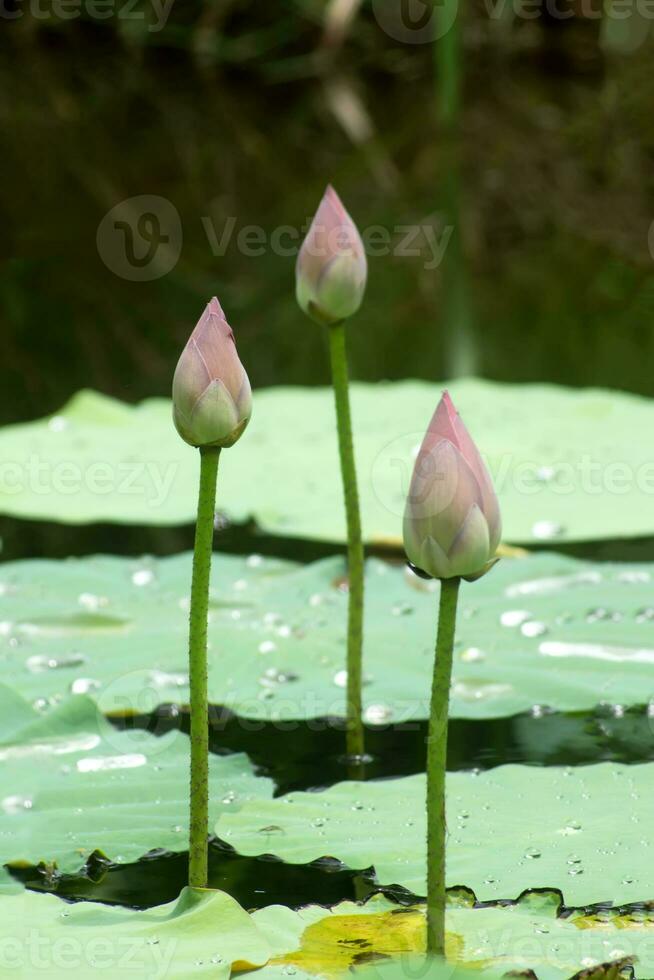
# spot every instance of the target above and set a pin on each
(337, 942)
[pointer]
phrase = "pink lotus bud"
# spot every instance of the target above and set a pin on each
(452, 523)
(212, 400)
(331, 268)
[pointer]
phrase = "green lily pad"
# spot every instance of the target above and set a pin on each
(585, 831)
(489, 941)
(202, 933)
(541, 630)
(569, 465)
(70, 784)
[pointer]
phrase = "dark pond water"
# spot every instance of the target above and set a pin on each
(293, 758)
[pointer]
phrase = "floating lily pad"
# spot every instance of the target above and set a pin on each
(202, 934)
(585, 831)
(489, 941)
(569, 465)
(534, 631)
(71, 784)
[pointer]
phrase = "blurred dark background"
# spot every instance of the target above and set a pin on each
(531, 135)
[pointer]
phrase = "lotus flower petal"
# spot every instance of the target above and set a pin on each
(471, 545)
(442, 491)
(433, 559)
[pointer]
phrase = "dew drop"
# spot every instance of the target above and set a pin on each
(16, 804)
(532, 853)
(633, 576)
(472, 655)
(92, 602)
(164, 678)
(143, 576)
(533, 628)
(340, 679)
(39, 663)
(597, 615)
(109, 762)
(377, 714)
(514, 617)
(479, 690)
(267, 646)
(401, 609)
(272, 676)
(84, 685)
(544, 530)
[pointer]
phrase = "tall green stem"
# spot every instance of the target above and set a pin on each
(199, 823)
(436, 765)
(355, 736)
(458, 315)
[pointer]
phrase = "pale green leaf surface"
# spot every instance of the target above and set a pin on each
(585, 831)
(574, 462)
(70, 783)
(118, 627)
(490, 941)
(201, 934)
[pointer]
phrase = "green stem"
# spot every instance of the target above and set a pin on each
(355, 557)
(199, 823)
(458, 313)
(436, 766)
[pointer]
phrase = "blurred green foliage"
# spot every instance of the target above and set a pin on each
(239, 111)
